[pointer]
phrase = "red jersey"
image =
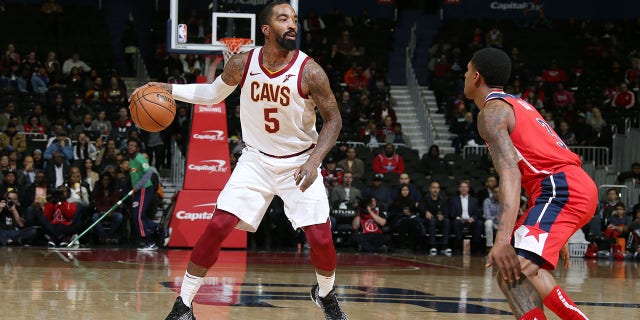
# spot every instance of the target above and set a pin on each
(540, 150)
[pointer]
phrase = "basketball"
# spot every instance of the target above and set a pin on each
(152, 109)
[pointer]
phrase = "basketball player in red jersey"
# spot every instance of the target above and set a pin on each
(527, 153)
(280, 90)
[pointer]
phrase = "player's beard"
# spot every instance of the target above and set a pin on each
(285, 43)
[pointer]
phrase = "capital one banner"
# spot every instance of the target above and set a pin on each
(191, 215)
(207, 165)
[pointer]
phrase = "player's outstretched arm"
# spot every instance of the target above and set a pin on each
(493, 126)
(316, 84)
(206, 93)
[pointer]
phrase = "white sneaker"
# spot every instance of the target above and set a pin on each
(149, 247)
(447, 252)
(433, 252)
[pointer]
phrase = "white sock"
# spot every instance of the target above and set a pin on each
(325, 284)
(189, 288)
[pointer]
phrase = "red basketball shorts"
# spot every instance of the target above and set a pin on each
(558, 206)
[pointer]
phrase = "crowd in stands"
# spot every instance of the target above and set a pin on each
(63, 159)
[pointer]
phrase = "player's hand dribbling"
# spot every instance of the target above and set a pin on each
(506, 259)
(306, 175)
(165, 86)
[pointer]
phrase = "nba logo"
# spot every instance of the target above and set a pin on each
(182, 33)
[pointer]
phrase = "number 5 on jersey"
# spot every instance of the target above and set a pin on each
(271, 124)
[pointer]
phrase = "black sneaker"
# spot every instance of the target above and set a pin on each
(329, 304)
(180, 311)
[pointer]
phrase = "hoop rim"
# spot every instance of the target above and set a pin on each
(234, 44)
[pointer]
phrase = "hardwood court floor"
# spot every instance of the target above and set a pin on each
(38, 283)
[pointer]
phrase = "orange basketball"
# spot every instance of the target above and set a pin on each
(152, 109)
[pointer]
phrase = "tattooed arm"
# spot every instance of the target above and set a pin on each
(315, 83)
(494, 122)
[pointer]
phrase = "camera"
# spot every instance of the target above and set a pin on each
(10, 203)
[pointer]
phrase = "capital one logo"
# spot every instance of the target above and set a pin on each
(210, 135)
(504, 6)
(209, 165)
(196, 213)
(209, 109)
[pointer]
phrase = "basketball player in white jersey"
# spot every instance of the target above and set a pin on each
(280, 89)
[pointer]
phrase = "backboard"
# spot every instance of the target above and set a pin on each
(195, 26)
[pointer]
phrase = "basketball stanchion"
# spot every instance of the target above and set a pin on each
(142, 181)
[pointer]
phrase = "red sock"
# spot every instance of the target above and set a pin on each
(534, 314)
(559, 302)
(205, 252)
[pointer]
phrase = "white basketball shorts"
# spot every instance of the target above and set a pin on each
(258, 177)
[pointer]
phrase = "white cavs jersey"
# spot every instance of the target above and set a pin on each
(277, 119)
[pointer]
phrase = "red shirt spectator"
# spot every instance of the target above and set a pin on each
(624, 99)
(388, 161)
(61, 213)
(554, 74)
(563, 97)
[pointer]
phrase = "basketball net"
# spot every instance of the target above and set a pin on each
(233, 46)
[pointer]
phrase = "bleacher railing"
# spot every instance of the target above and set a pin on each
(424, 120)
(599, 155)
(178, 163)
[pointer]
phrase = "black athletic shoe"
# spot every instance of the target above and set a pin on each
(180, 311)
(329, 304)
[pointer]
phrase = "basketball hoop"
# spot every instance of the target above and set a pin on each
(232, 46)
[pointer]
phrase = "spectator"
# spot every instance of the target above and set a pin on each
(405, 219)
(617, 230)
(554, 74)
(154, 148)
(585, 135)
(487, 192)
(345, 195)
(331, 174)
(398, 137)
(346, 45)
(78, 193)
(633, 228)
(91, 177)
(40, 80)
(494, 38)
(14, 229)
(57, 170)
(11, 139)
(596, 121)
(383, 110)
(490, 211)
(624, 99)
(35, 128)
(93, 96)
(368, 225)
(9, 182)
(87, 127)
(601, 219)
(437, 219)
(387, 127)
(78, 110)
(405, 179)
(532, 98)
(352, 164)
(432, 162)
(466, 130)
(61, 145)
(102, 124)
(563, 100)
(379, 190)
(464, 210)
(4, 164)
(355, 78)
(567, 136)
(84, 149)
(106, 196)
(313, 23)
(634, 174)
(60, 219)
(115, 96)
(74, 62)
(388, 161)
(370, 134)
(38, 160)
(27, 174)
